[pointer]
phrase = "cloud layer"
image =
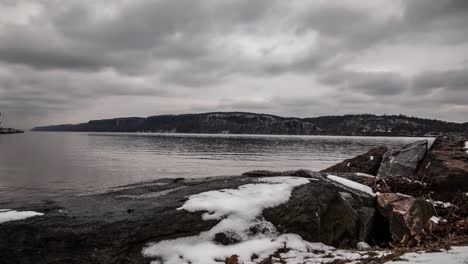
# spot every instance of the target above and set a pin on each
(78, 60)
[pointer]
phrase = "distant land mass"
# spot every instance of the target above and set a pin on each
(251, 123)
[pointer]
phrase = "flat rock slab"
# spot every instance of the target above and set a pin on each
(109, 227)
(114, 226)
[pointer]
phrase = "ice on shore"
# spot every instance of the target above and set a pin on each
(7, 215)
(456, 255)
(351, 184)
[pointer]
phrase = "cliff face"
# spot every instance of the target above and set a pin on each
(249, 123)
(232, 123)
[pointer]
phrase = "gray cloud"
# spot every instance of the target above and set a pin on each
(302, 57)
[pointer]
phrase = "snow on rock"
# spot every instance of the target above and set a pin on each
(437, 220)
(239, 211)
(456, 255)
(351, 184)
(362, 245)
(466, 147)
(371, 157)
(440, 204)
(7, 215)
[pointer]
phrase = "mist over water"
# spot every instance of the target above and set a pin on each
(78, 162)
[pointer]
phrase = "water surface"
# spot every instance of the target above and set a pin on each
(55, 162)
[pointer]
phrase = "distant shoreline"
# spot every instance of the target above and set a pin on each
(4, 131)
(263, 124)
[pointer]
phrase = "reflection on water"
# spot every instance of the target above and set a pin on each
(61, 162)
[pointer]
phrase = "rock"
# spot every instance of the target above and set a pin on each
(403, 161)
(98, 228)
(234, 259)
(445, 167)
(322, 211)
(224, 239)
(368, 163)
(407, 216)
(297, 173)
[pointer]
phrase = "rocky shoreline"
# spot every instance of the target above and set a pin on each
(378, 206)
(10, 131)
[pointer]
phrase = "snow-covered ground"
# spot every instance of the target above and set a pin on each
(456, 255)
(7, 215)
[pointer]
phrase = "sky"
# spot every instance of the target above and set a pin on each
(73, 61)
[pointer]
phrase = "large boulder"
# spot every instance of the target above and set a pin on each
(403, 161)
(368, 163)
(327, 212)
(445, 167)
(407, 216)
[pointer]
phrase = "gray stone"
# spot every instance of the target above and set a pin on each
(403, 161)
(322, 211)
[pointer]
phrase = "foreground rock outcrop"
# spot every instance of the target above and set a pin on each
(114, 227)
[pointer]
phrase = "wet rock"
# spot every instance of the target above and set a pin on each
(98, 228)
(322, 211)
(368, 163)
(407, 216)
(296, 173)
(403, 161)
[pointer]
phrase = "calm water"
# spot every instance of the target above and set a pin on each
(77, 162)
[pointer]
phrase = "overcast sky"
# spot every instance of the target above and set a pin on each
(72, 61)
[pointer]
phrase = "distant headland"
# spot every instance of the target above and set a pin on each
(252, 123)
(10, 131)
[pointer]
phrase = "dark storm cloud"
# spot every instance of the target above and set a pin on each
(67, 54)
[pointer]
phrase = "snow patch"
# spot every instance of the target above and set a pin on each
(437, 220)
(440, 204)
(456, 255)
(351, 184)
(7, 215)
(466, 146)
(240, 211)
(371, 157)
(362, 246)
